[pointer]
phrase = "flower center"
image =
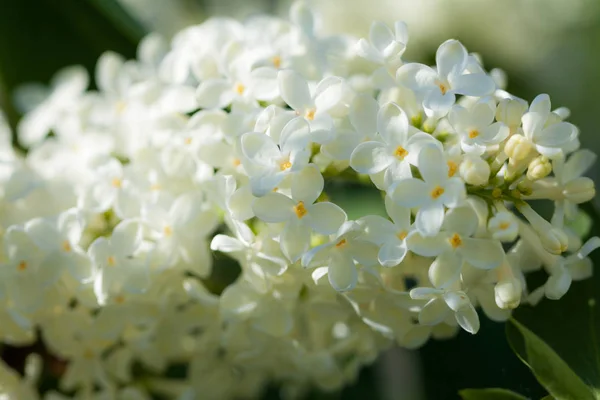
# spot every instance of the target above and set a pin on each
(300, 210)
(285, 165)
(504, 225)
(167, 231)
(111, 261)
(473, 133)
(342, 243)
(116, 182)
(120, 299)
(276, 60)
(155, 187)
(437, 192)
(22, 266)
(455, 240)
(66, 246)
(310, 114)
(400, 152)
(236, 162)
(443, 88)
(239, 88)
(402, 235)
(187, 140)
(452, 167)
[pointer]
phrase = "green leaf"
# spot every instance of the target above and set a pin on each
(550, 370)
(571, 325)
(490, 394)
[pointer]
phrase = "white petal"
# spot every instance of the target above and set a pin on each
(70, 225)
(392, 124)
(425, 293)
(366, 50)
(451, 57)
(578, 163)
(295, 135)
(274, 207)
(263, 184)
(44, 234)
(533, 123)
(107, 69)
(264, 84)
(494, 134)
(416, 76)
(556, 135)
(370, 158)
(445, 269)
(380, 36)
(377, 229)
(214, 93)
(482, 253)
(392, 253)
(295, 239)
(307, 185)
(328, 93)
(363, 114)
(410, 192)
(342, 272)
(317, 256)
(454, 193)
(427, 246)
(401, 32)
(126, 237)
(325, 218)
(364, 252)
(342, 146)
(259, 147)
(462, 220)
(473, 85)
(432, 165)
(434, 312)
(400, 215)
(439, 103)
(558, 285)
(429, 219)
(184, 209)
(541, 104)
(294, 89)
(468, 319)
(226, 244)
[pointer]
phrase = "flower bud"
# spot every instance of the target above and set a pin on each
(503, 226)
(555, 241)
(517, 147)
(539, 168)
(508, 293)
(510, 112)
(474, 170)
(579, 190)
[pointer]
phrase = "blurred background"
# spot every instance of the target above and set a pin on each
(545, 46)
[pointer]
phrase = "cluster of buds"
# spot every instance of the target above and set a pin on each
(224, 143)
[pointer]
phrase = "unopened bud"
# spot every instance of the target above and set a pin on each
(517, 147)
(580, 190)
(555, 241)
(507, 293)
(474, 170)
(557, 284)
(539, 168)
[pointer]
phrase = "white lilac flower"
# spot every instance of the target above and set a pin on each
(431, 194)
(396, 151)
(300, 216)
(440, 86)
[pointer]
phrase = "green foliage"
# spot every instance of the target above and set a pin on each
(489, 394)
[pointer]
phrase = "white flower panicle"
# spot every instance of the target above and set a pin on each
(224, 144)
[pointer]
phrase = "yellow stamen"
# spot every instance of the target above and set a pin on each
(455, 240)
(240, 89)
(22, 266)
(504, 225)
(111, 261)
(473, 133)
(442, 87)
(116, 182)
(187, 140)
(452, 168)
(341, 243)
(120, 106)
(300, 210)
(400, 152)
(120, 299)
(167, 230)
(155, 187)
(310, 114)
(66, 246)
(402, 235)
(236, 162)
(437, 192)
(276, 60)
(285, 165)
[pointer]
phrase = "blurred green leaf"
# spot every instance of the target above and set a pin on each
(38, 37)
(571, 325)
(490, 394)
(551, 371)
